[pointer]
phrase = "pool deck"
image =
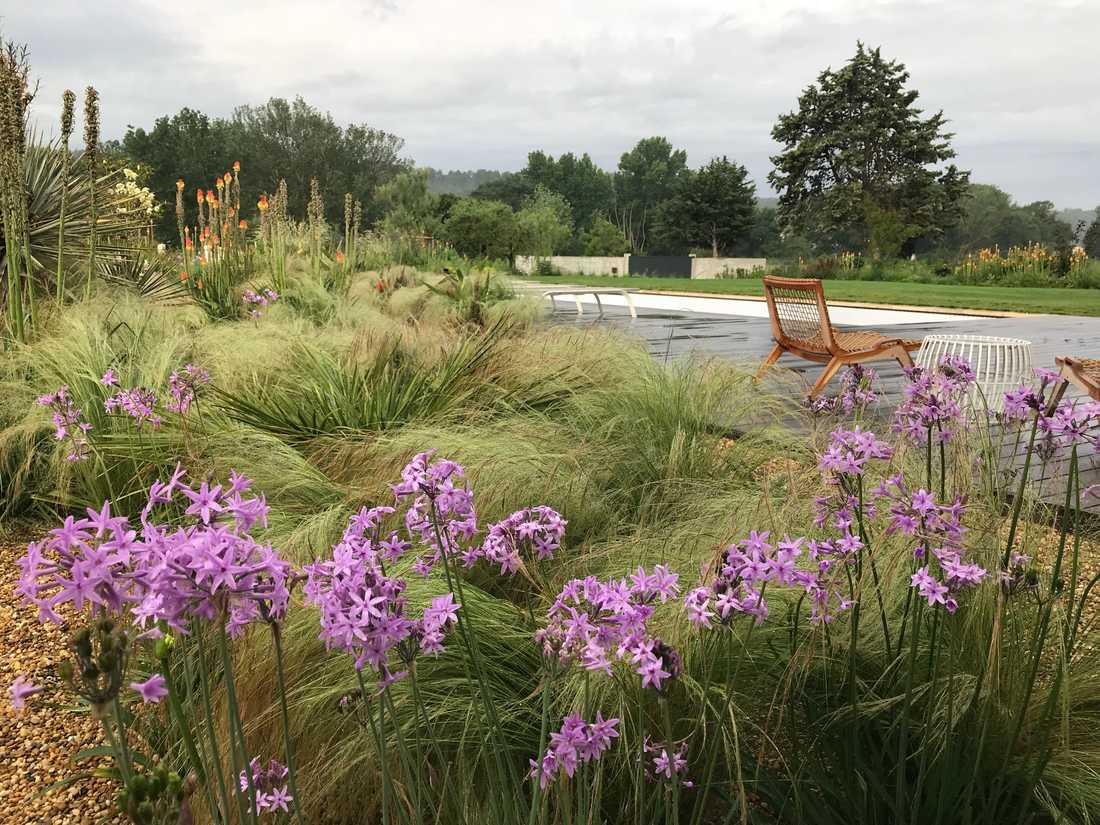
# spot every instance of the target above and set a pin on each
(746, 339)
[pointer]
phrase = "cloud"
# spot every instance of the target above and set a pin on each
(480, 83)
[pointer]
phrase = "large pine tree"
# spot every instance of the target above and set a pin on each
(860, 164)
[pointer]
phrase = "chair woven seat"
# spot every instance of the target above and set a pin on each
(800, 325)
(854, 342)
(1084, 372)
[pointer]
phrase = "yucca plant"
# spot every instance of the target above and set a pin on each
(327, 395)
(471, 292)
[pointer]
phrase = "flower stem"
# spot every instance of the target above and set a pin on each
(237, 746)
(284, 713)
(669, 746)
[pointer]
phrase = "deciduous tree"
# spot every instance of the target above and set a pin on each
(648, 176)
(482, 228)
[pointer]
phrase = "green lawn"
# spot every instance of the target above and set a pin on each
(1056, 301)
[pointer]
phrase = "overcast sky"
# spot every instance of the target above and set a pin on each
(479, 83)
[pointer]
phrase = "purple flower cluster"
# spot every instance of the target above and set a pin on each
(752, 565)
(933, 400)
(577, 742)
(442, 508)
(86, 562)
(849, 451)
(363, 611)
(256, 301)
(536, 529)
(1071, 421)
(270, 784)
(595, 623)
(209, 566)
(857, 392)
(68, 421)
(138, 402)
(184, 386)
(938, 535)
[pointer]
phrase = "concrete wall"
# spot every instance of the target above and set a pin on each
(577, 264)
(715, 267)
(619, 265)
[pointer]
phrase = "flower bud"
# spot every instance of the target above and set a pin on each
(139, 787)
(165, 643)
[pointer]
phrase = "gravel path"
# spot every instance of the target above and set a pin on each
(36, 748)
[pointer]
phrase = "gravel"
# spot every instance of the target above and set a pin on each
(37, 747)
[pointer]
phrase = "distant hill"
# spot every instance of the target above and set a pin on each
(458, 181)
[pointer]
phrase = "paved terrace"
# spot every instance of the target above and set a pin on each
(674, 333)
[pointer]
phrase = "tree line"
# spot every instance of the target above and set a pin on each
(861, 167)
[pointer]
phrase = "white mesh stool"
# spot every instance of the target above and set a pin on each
(1000, 364)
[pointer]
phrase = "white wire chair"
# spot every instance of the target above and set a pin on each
(1000, 364)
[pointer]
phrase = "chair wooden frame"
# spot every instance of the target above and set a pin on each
(812, 336)
(1084, 372)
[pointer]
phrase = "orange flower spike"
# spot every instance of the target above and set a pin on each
(179, 185)
(183, 277)
(209, 195)
(189, 244)
(218, 183)
(236, 166)
(227, 177)
(339, 257)
(242, 225)
(199, 283)
(262, 204)
(198, 195)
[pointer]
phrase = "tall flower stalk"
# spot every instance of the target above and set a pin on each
(15, 95)
(68, 105)
(91, 159)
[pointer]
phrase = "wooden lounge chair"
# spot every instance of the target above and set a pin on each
(800, 326)
(1084, 372)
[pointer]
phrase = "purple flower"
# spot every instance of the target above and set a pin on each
(537, 531)
(185, 386)
(152, 690)
(938, 535)
(258, 300)
(363, 611)
(669, 761)
(269, 784)
(442, 508)
(208, 566)
(68, 421)
(849, 451)
(596, 623)
(138, 402)
(576, 743)
(1021, 402)
(20, 690)
(933, 400)
(85, 562)
(109, 378)
(746, 570)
